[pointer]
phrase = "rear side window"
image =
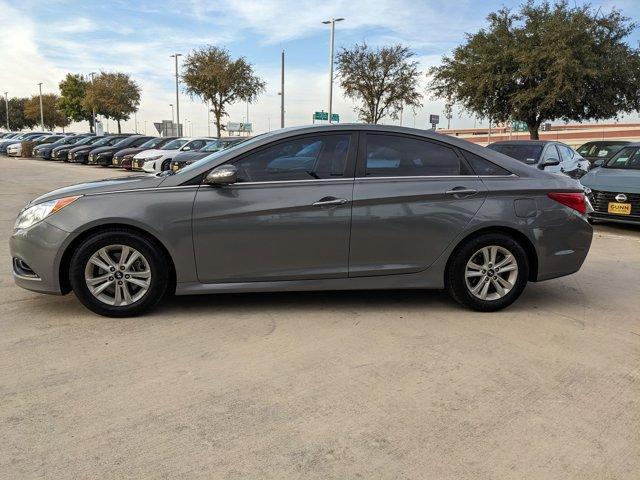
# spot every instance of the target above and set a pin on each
(482, 166)
(398, 156)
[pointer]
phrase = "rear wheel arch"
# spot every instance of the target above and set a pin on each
(521, 238)
(65, 262)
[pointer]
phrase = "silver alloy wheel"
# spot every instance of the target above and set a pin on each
(491, 273)
(118, 275)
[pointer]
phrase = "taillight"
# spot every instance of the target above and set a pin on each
(577, 201)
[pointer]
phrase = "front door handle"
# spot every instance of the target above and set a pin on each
(461, 191)
(330, 201)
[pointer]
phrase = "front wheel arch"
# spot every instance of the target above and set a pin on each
(65, 263)
(521, 238)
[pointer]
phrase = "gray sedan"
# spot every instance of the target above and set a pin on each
(614, 188)
(309, 208)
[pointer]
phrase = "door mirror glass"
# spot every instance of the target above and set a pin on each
(549, 162)
(222, 175)
(599, 162)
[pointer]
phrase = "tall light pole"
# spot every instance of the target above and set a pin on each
(331, 22)
(93, 110)
(6, 105)
(281, 93)
(176, 55)
(41, 112)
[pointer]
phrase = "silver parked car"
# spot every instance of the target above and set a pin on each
(309, 208)
(614, 187)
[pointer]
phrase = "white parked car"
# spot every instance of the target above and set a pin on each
(158, 160)
(15, 150)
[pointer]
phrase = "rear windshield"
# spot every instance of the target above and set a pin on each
(525, 153)
(628, 158)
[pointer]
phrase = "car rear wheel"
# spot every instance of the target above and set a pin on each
(118, 273)
(488, 272)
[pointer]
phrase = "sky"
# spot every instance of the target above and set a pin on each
(41, 41)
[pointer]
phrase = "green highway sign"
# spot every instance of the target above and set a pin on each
(325, 116)
(517, 126)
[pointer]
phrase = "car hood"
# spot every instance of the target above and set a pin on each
(190, 156)
(132, 182)
(98, 150)
(129, 151)
(82, 148)
(613, 179)
(151, 153)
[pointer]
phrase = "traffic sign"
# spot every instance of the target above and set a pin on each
(434, 119)
(335, 118)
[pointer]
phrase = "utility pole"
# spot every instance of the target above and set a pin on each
(6, 104)
(331, 22)
(176, 55)
(93, 110)
(41, 112)
(281, 94)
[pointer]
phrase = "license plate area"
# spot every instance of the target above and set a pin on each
(619, 208)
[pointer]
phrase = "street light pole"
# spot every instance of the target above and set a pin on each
(41, 112)
(281, 93)
(6, 105)
(93, 110)
(171, 105)
(176, 55)
(331, 22)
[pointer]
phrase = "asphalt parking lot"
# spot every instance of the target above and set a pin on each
(322, 385)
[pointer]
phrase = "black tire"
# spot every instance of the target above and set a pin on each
(456, 280)
(165, 165)
(151, 252)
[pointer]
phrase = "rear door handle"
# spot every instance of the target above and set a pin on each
(329, 201)
(467, 192)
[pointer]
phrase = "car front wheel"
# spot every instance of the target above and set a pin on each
(118, 273)
(488, 272)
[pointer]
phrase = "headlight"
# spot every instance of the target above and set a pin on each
(151, 159)
(36, 213)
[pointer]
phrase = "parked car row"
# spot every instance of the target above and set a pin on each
(129, 151)
(609, 172)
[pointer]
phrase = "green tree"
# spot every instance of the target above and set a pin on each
(17, 119)
(52, 116)
(211, 75)
(544, 62)
(113, 95)
(381, 80)
(72, 93)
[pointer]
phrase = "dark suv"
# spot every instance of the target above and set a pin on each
(104, 155)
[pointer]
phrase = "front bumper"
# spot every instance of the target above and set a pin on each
(36, 253)
(103, 160)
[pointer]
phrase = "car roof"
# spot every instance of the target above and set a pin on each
(523, 142)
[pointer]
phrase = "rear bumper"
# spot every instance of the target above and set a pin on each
(562, 247)
(607, 217)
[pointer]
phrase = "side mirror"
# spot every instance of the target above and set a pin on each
(599, 162)
(222, 175)
(548, 162)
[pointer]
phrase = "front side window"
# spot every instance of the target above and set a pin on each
(306, 158)
(194, 145)
(627, 158)
(398, 156)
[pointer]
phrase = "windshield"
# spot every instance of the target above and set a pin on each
(525, 153)
(103, 141)
(215, 155)
(87, 141)
(213, 146)
(175, 144)
(627, 158)
(600, 150)
(121, 142)
(153, 143)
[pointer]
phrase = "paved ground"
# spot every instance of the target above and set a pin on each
(322, 385)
